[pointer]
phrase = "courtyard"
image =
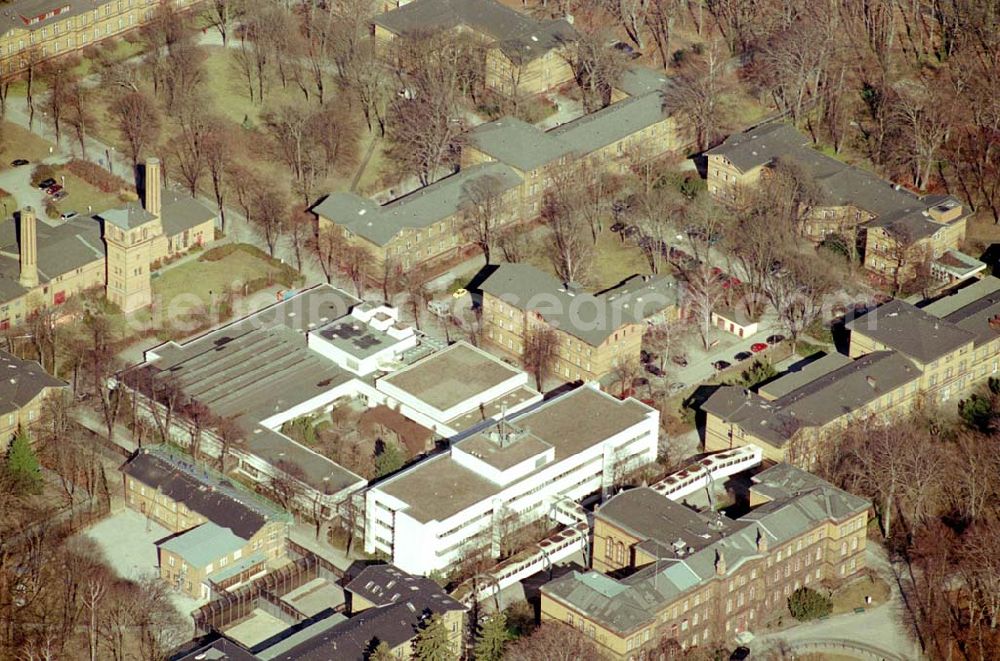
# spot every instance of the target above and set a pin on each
(128, 541)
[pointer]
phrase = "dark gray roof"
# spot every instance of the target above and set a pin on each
(589, 317)
(421, 208)
(898, 211)
(647, 514)
(790, 381)
(613, 123)
(526, 147)
(261, 365)
(22, 381)
(911, 331)
(813, 404)
(638, 80)
(972, 308)
(759, 145)
(217, 648)
(521, 37)
(61, 249)
(800, 502)
(382, 585)
(395, 619)
(182, 212)
(517, 143)
(127, 217)
(202, 490)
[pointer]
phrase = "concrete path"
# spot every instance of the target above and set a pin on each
(879, 628)
(17, 182)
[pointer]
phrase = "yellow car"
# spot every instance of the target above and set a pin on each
(459, 293)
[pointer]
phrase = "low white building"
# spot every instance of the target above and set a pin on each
(367, 340)
(506, 476)
(457, 388)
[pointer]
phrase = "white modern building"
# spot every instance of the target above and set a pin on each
(507, 475)
(457, 388)
(369, 339)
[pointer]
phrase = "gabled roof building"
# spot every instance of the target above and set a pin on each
(700, 577)
(899, 229)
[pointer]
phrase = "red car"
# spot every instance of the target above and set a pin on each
(53, 189)
(757, 347)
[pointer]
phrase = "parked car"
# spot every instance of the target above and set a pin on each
(639, 382)
(741, 653)
(775, 339)
(53, 189)
(757, 347)
(653, 369)
(675, 387)
(60, 195)
(721, 365)
(46, 183)
(648, 356)
(743, 355)
(69, 215)
(731, 282)
(618, 227)
(680, 361)
(18, 162)
(627, 50)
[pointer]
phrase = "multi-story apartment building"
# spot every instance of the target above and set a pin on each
(506, 167)
(700, 578)
(22, 392)
(43, 262)
(41, 29)
(595, 332)
(524, 56)
(896, 231)
(899, 355)
(505, 476)
(225, 535)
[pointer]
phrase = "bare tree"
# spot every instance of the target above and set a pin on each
(571, 250)
(223, 15)
(79, 112)
(218, 148)
(554, 641)
(700, 295)
(696, 99)
(541, 344)
(596, 68)
(483, 211)
(138, 123)
(271, 217)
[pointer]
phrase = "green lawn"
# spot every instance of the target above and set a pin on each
(199, 282)
(18, 142)
(84, 198)
(613, 260)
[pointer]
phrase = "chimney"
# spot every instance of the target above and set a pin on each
(29, 249)
(871, 381)
(152, 181)
(720, 563)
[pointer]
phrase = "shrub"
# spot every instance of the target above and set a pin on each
(219, 252)
(51, 210)
(97, 176)
(807, 604)
(41, 173)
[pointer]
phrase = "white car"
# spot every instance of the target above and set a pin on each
(69, 215)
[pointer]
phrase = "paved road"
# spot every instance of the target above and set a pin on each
(879, 627)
